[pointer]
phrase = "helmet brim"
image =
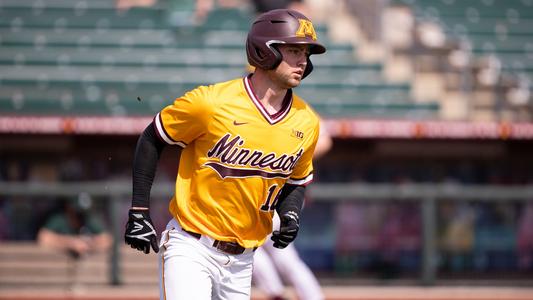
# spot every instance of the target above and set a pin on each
(314, 47)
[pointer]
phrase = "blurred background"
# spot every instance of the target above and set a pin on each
(428, 102)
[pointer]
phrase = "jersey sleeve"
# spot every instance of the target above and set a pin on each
(186, 119)
(303, 171)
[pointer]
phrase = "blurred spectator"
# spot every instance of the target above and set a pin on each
(458, 235)
(127, 4)
(495, 237)
(358, 226)
(203, 7)
(369, 14)
(399, 240)
(262, 6)
(73, 228)
(525, 238)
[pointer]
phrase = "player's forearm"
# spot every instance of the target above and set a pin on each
(50, 239)
(145, 160)
(291, 199)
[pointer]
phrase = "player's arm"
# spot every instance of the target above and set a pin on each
(291, 198)
(140, 232)
(53, 240)
(289, 206)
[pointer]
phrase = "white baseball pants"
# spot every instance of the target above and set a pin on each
(191, 269)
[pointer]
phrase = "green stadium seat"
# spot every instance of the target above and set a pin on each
(169, 57)
(93, 99)
(237, 38)
(85, 38)
(472, 8)
(116, 75)
(108, 99)
(516, 61)
(410, 110)
(39, 5)
(115, 56)
(228, 19)
(239, 19)
(493, 44)
(149, 70)
(501, 28)
(81, 57)
(487, 26)
(61, 18)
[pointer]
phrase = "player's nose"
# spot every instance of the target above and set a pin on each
(302, 62)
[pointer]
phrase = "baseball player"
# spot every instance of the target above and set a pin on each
(247, 150)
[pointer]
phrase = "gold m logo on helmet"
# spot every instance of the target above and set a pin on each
(306, 29)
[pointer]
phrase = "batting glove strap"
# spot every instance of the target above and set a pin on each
(288, 230)
(140, 233)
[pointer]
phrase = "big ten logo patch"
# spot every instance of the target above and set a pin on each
(297, 134)
(306, 29)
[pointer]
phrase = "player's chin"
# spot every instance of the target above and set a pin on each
(294, 81)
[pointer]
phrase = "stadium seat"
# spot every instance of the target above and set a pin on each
(496, 31)
(88, 58)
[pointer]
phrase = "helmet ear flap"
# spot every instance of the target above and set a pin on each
(267, 58)
(277, 56)
(308, 68)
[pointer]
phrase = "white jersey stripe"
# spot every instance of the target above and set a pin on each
(163, 134)
(304, 181)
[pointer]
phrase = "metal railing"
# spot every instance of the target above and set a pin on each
(427, 194)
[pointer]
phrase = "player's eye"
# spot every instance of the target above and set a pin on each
(296, 51)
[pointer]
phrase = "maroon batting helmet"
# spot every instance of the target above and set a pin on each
(280, 26)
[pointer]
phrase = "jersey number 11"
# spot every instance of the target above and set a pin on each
(268, 206)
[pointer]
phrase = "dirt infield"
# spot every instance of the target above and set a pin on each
(28, 272)
(332, 293)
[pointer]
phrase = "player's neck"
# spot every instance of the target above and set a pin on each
(268, 92)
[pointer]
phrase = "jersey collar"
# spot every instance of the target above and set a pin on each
(271, 118)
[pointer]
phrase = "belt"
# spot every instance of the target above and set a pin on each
(226, 247)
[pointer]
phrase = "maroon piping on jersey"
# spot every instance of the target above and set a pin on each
(224, 172)
(276, 117)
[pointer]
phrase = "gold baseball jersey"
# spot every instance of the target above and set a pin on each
(236, 158)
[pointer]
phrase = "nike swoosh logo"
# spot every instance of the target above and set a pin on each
(239, 123)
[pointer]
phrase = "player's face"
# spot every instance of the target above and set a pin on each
(291, 69)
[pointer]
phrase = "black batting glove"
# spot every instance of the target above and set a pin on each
(140, 233)
(288, 230)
